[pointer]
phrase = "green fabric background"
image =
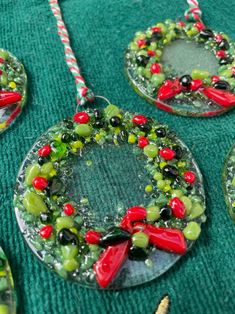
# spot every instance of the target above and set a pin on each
(201, 282)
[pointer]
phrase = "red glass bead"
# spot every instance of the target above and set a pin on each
(40, 183)
(93, 237)
(142, 141)
(218, 38)
(68, 209)
(9, 98)
(181, 23)
(190, 177)
(221, 54)
(2, 60)
(222, 97)
(81, 117)
(169, 89)
(141, 43)
(46, 231)
(136, 213)
(196, 84)
(168, 239)
(167, 153)
(109, 263)
(155, 68)
(139, 119)
(215, 78)
(126, 224)
(44, 151)
(200, 26)
(178, 207)
(156, 29)
(151, 53)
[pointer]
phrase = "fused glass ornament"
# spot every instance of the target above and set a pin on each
(7, 294)
(183, 68)
(229, 182)
(109, 199)
(13, 82)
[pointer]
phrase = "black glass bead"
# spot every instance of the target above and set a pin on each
(115, 121)
(123, 136)
(185, 80)
(156, 36)
(224, 45)
(137, 254)
(114, 235)
(160, 132)
(47, 191)
(65, 137)
(42, 160)
(170, 171)
(142, 60)
(206, 34)
(222, 85)
(68, 123)
(165, 213)
(178, 152)
(145, 127)
(99, 124)
(74, 137)
(45, 217)
(98, 114)
(226, 60)
(65, 237)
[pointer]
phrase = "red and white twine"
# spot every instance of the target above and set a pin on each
(84, 94)
(194, 13)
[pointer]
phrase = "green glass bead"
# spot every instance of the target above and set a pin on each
(231, 82)
(192, 231)
(151, 150)
(188, 204)
(69, 251)
(153, 213)
(64, 222)
(111, 111)
(148, 188)
(226, 73)
(196, 211)
(199, 74)
(3, 79)
(34, 204)
(161, 184)
(157, 79)
(4, 54)
(158, 176)
(4, 309)
(47, 168)
(132, 139)
(140, 71)
(70, 264)
(83, 130)
(176, 193)
(31, 172)
(140, 239)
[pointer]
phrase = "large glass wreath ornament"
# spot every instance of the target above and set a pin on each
(172, 66)
(140, 242)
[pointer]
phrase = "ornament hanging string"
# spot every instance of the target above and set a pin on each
(84, 94)
(194, 13)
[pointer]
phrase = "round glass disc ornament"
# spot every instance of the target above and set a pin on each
(183, 68)
(109, 199)
(13, 83)
(229, 182)
(7, 294)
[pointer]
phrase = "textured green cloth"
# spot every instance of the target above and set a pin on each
(201, 282)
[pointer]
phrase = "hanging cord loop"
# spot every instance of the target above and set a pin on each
(84, 94)
(194, 13)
